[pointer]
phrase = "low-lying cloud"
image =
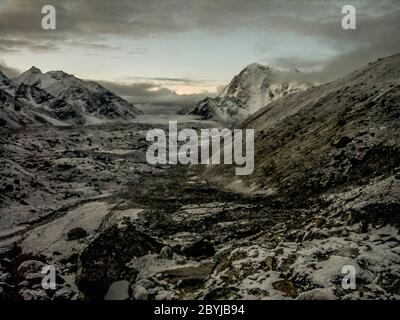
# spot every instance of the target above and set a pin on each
(152, 93)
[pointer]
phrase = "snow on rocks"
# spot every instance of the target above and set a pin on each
(118, 290)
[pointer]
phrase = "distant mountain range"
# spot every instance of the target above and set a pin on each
(253, 88)
(58, 98)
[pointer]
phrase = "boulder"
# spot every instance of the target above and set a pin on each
(199, 248)
(28, 294)
(31, 271)
(118, 290)
(317, 294)
(140, 293)
(105, 260)
(76, 233)
(166, 253)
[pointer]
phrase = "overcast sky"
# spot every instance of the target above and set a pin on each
(177, 51)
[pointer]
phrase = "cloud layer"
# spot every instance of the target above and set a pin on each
(152, 93)
(90, 25)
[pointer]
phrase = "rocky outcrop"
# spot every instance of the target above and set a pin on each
(105, 260)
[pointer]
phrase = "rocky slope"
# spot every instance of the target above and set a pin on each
(25, 105)
(330, 138)
(253, 88)
(57, 98)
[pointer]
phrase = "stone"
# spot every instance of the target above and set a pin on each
(341, 142)
(166, 253)
(146, 283)
(317, 294)
(63, 294)
(140, 293)
(76, 233)
(122, 225)
(5, 277)
(319, 222)
(286, 287)
(31, 270)
(97, 270)
(200, 248)
(319, 234)
(23, 284)
(118, 290)
(28, 294)
(270, 263)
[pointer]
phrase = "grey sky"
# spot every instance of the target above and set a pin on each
(167, 48)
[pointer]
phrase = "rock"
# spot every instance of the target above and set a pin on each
(200, 248)
(334, 232)
(119, 290)
(341, 142)
(76, 233)
(286, 287)
(5, 277)
(270, 263)
(140, 293)
(166, 253)
(31, 270)
(97, 270)
(23, 284)
(122, 225)
(37, 286)
(146, 283)
(9, 292)
(63, 294)
(28, 294)
(319, 234)
(319, 222)
(317, 294)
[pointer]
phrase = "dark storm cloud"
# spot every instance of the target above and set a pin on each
(89, 23)
(152, 93)
(377, 28)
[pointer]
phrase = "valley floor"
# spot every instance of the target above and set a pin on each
(85, 200)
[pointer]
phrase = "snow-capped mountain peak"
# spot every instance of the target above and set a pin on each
(30, 76)
(33, 69)
(59, 98)
(254, 87)
(94, 101)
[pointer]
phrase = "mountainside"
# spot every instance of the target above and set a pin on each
(5, 83)
(28, 105)
(253, 88)
(331, 138)
(89, 96)
(58, 98)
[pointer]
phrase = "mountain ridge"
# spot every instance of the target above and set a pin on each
(59, 98)
(251, 89)
(339, 132)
